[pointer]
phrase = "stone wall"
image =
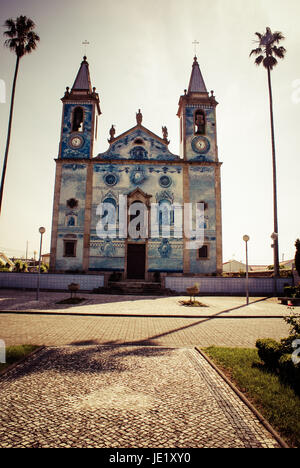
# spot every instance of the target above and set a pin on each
(227, 286)
(50, 281)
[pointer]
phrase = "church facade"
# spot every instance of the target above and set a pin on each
(137, 170)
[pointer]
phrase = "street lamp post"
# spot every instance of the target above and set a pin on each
(41, 231)
(246, 239)
(274, 237)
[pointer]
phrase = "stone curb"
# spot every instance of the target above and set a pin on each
(15, 364)
(259, 416)
(79, 314)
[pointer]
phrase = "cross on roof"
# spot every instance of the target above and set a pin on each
(85, 44)
(195, 43)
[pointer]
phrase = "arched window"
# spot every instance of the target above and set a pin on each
(165, 213)
(110, 213)
(199, 123)
(70, 242)
(77, 124)
(203, 252)
(138, 220)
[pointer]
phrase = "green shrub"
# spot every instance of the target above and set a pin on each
(18, 265)
(289, 372)
(286, 344)
(293, 321)
(289, 291)
(269, 351)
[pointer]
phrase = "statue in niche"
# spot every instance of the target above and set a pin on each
(139, 117)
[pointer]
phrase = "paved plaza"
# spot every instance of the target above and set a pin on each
(123, 371)
(162, 321)
(121, 396)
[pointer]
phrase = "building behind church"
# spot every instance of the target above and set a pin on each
(137, 167)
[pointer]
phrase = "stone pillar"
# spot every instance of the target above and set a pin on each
(218, 220)
(87, 217)
(55, 215)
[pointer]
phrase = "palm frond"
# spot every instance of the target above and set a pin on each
(270, 62)
(256, 51)
(9, 23)
(258, 60)
(11, 43)
(279, 51)
(278, 36)
(267, 50)
(22, 39)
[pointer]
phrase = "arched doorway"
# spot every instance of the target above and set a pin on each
(136, 245)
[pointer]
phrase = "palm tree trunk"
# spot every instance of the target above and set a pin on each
(9, 130)
(276, 250)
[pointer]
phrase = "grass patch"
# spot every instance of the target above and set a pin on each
(278, 403)
(16, 353)
(72, 300)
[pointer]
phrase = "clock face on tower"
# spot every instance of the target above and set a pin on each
(76, 141)
(200, 145)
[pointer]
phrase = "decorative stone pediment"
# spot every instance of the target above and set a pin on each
(138, 195)
(138, 144)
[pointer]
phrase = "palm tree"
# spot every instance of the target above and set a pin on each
(21, 40)
(267, 53)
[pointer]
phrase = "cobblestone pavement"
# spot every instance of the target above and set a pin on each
(121, 396)
(16, 300)
(176, 332)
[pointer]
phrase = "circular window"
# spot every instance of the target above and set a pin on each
(110, 179)
(165, 181)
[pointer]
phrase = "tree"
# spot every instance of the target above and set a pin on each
(267, 53)
(297, 256)
(22, 40)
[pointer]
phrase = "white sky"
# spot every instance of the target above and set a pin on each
(140, 56)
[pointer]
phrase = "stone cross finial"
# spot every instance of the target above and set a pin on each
(195, 44)
(85, 44)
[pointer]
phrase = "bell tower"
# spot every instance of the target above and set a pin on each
(73, 179)
(81, 109)
(201, 171)
(197, 114)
